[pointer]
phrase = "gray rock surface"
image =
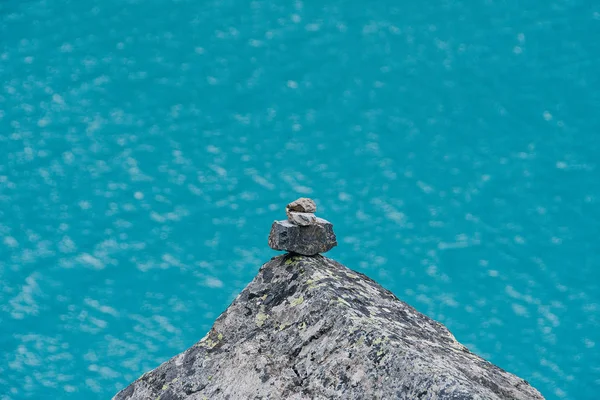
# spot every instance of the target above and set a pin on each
(301, 218)
(306, 240)
(309, 328)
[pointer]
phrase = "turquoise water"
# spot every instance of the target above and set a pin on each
(146, 147)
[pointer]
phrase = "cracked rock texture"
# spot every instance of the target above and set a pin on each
(306, 240)
(310, 328)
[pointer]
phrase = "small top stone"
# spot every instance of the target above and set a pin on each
(303, 204)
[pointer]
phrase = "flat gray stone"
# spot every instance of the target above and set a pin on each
(301, 218)
(306, 240)
(308, 328)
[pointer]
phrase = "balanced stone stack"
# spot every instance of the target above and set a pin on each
(303, 232)
(308, 328)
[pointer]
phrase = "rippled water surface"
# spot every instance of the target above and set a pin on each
(146, 147)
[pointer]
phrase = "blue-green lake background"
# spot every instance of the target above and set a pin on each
(147, 146)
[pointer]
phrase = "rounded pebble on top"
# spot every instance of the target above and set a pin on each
(303, 204)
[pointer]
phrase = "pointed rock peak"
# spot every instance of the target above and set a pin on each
(310, 328)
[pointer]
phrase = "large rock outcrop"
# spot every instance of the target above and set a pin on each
(310, 328)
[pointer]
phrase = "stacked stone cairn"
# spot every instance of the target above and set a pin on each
(303, 232)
